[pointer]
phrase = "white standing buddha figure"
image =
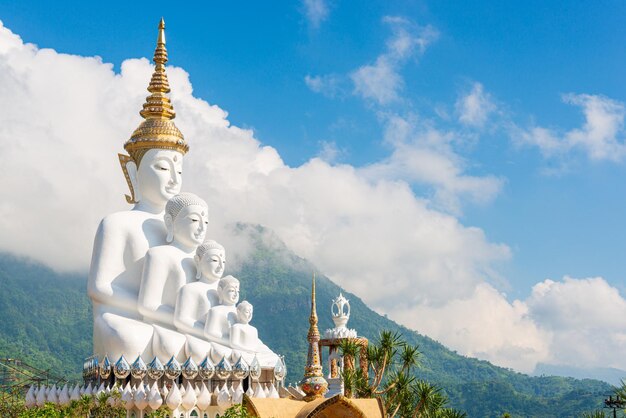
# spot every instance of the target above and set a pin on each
(221, 317)
(195, 299)
(153, 170)
(167, 268)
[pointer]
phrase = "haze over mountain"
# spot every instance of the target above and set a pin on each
(47, 321)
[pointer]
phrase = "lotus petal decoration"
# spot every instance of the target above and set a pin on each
(255, 368)
(240, 369)
(206, 370)
(279, 370)
(105, 368)
(172, 369)
(190, 370)
(223, 369)
(122, 368)
(138, 369)
(155, 369)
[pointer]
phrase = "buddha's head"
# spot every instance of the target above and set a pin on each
(153, 166)
(244, 312)
(210, 261)
(186, 220)
(155, 176)
(228, 290)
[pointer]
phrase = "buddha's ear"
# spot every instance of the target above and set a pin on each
(129, 167)
(169, 226)
(198, 271)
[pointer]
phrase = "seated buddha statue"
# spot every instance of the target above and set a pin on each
(169, 267)
(196, 298)
(221, 317)
(244, 338)
(153, 171)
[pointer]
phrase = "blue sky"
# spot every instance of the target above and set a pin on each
(561, 212)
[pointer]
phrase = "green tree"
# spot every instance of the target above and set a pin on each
(235, 411)
(392, 364)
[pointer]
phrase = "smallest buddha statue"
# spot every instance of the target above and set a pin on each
(244, 338)
(221, 317)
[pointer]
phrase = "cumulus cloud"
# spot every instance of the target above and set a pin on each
(574, 322)
(65, 117)
(586, 319)
(424, 155)
(316, 11)
(484, 324)
(475, 107)
(601, 137)
(381, 81)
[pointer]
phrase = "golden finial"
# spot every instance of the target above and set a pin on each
(161, 38)
(158, 129)
(313, 384)
(313, 318)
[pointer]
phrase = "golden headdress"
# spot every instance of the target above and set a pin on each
(158, 129)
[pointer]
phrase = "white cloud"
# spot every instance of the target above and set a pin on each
(329, 151)
(601, 137)
(316, 11)
(586, 319)
(65, 117)
(381, 81)
(424, 155)
(484, 324)
(574, 322)
(475, 107)
(328, 85)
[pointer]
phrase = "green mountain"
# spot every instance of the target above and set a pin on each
(46, 321)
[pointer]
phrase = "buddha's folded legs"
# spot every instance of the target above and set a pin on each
(115, 335)
(219, 351)
(167, 343)
(197, 348)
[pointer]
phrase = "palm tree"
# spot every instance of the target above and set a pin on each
(391, 377)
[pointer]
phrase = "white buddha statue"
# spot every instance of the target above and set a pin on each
(195, 299)
(153, 170)
(244, 338)
(221, 317)
(167, 268)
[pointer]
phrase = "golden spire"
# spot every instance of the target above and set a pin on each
(313, 384)
(158, 129)
(313, 331)
(158, 105)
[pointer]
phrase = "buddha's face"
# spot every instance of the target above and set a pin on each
(189, 227)
(159, 176)
(230, 294)
(244, 313)
(212, 264)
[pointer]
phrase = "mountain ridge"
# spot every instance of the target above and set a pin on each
(48, 322)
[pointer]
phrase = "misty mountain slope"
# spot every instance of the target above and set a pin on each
(45, 319)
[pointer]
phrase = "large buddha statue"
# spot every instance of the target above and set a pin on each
(153, 171)
(169, 267)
